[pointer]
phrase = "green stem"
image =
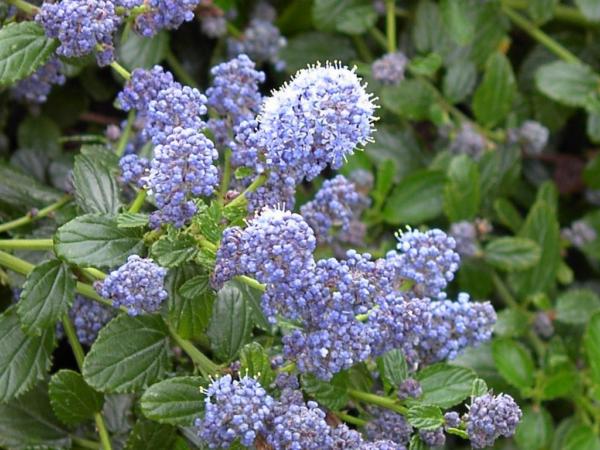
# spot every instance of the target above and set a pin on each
(562, 13)
(29, 218)
(378, 400)
(120, 70)
(458, 432)
(540, 36)
(124, 139)
(351, 419)
(252, 283)
(79, 357)
(226, 173)
(390, 25)
(379, 37)
(179, 69)
(362, 48)
(26, 244)
(82, 138)
(138, 202)
(95, 273)
(504, 292)
(85, 443)
(25, 6)
(232, 30)
(204, 364)
(240, 199)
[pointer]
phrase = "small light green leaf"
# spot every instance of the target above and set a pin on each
(541, 10)
(425, 65)
(462, 192)
(576, 306)
(535, 430)
(140, 51)
(72, 399)
(129, 354)
(176, 401)
(456, 15)
(459, 81)
(256, 363)
(508, 215)
(393, 368)
(444, 385)
(195, 286)
(512, 254)
(47, 295)
(514, 362)
(493, 98)
(567, 83)
(411, 99)
(479, 387)
(172, 250)
(23, 48)
(254, 298)
(132, 220)
(95, 240)
(590, 9)
(96, 189)
(333, 394)
(425, 417)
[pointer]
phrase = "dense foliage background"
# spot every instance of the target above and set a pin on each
(449, 148)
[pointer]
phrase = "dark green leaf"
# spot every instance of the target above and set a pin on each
(508, 215)
(24, 360)
(581, 437)
(417, 198)
(346, 16)
(534, 432)
(541, 10)
(411, 99)
(28, 422)
(559, 381)
(576, 306)
(189, 309)
(591, 173)
(41, 134)
(172, 250)
(514, 362)
(459, 81)
(176, 401)
(147, 435)
(444, 385)
(254, 299)
(461, 192)
(23, 192)
(332, 394)
(230, 324)
(456, 15)
(425, 417)
(139, 51)
(47, 295)
(493, 98)
(132, 220)
(129, 353)
(256, 363)
(512, 253)
(568, 83)
(94, 240)
(393, 367)
(96, 189)
(425, 65)
(72, 400)
(23, 48)
(591, 344)
(314, 46)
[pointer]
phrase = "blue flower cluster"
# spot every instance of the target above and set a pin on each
(490, 417)
(81, 26)
(433, 438)
(144, 86)
(164, 14)
(389, 69)
(579, 234)
(138, 285)
(464, 234)
(468, 142)
(532, 136)
(134, 169)
(88, 318)
(388, 425)
(409, 388)
(333, 209)
(36, 87)
(451, 419)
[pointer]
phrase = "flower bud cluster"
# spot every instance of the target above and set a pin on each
(492, 416)
(36, 87)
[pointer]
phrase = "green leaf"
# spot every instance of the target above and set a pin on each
(39, 133)
(176, 401)
(429, 33)
(591, 345)
(590, 9)
(72, 399)
(541, 226)
(581, 437)
(416, 199)
(411, 99)
(559, 381)
(478, 388)
(94, 240)
(535, 430)
(511, 323)
(172, 250)
(254, 299)
(567, 83)
(576, 306)
(333, 394)
(189, 310)
(230, 324)
(425, 417)
(493, 98)
(591, 173)
(456, 15)
(96, 189)
(22, 192)
(346, 16)
(47, 295)
(508, 215)
(24, 360)
(461, 192)
(307, 48)
(139, 51)
(459, 81)
(444, 385)
(147, 435)
(129, 354)
(425, 65)
(132, 220)
(256, 363)
(541, 10)
(23, 48)
(28, 422)
(393, 368)
(512, 253)
(514, 362)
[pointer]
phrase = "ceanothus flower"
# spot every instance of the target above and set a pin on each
(532, 136)
(164, 14)
(36, 87)
(316, 120)
(388, 425)
(490, 417)
(381, 445)
(138, 285)
(579, 234)
(134, 169)
(88, 318)
(261, 41)
(80, 26)
(433, 438)
(182, 169)
(468, 142)
(409, 388)
(452, 419)
(234, 410)
(465, 236)
(389, 69)
(144, 86)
